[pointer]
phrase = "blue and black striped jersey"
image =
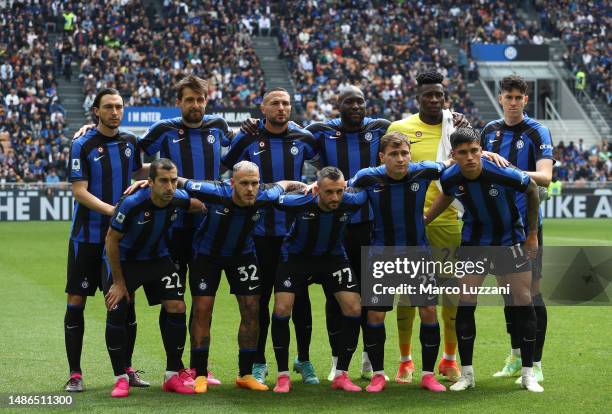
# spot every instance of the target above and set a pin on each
(195, 151)
(523, 144)
(316, 232)
(106, 163)
(398, 204)
(350, 151)
(491, 216)
(227, 229)
(279, 157)
(144, 225)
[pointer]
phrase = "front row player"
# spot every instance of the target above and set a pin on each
(313, 252)
(137, 255)
(224, 242)
(396, 191)
(491, 218)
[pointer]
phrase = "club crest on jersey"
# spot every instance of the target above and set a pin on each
(287, 283)
(520, 144)
(493, 192)
(100, 150)
(294, 150)
(128, 152)
(210, 139)
(418, 134)
(415, 187)
(76, 164)
(85, 284)
(368, 136)
(120, 217)
(202, 285)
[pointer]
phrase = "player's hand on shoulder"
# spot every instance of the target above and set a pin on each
(496, 158)
(83, 130)
(136, 186)
(250, 126)
(115, 294)
(460, 121)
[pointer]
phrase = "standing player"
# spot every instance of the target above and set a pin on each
(397, 191)
(137, 255)
(491, 218)
(101, 165)
(193, 142)
(313, 253)
(225, 243)
(429, 131)
(279, 149)
(349, 143)
(527, 144)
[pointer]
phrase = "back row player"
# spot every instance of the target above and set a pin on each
(102, 163)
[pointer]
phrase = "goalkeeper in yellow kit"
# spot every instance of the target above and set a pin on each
(429, 131)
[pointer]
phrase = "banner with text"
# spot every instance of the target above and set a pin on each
(145, 116)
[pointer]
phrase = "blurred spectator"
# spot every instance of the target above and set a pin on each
(577, 163)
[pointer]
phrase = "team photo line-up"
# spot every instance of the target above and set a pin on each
(269, 232)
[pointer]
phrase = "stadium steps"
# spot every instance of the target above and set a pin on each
(477, 93)
(576, 129)
(70, 93)
(276, 74)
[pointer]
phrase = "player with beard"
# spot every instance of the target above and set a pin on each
(279, 148)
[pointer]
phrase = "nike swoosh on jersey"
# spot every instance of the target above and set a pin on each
(99, 158)
(258, 152)
(143, 222)
(174, 141)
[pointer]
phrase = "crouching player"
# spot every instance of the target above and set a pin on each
(492, 218)
(137, 255)
(224, 242)
(313, 252)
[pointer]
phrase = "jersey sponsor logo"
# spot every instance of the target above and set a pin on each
(196, 186)
(210, 139)
(98, 158)
(294, 150)
(258, 152)
(415, 187)
(368, 136)
(128, 152)
(120, 217)
(174, 140)
(546, 146)
(520, 144)
(76, 164)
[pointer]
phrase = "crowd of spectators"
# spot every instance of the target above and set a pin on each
(381, 46)
(576, 162)
(142, 53)
(33, 144)
(584, 27)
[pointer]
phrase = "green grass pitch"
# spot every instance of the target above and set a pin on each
(576, 360)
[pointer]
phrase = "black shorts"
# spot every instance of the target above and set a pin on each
(241, 272)
(181, 245)
(357, 235)
(85, 268)
(332, 272)
(498, 261)
(158, 277)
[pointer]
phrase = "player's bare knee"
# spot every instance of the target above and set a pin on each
(428, 314)
(351, 308)
(76, 300)
(522, 297)
(174, 306)
(282, 309)
(375, 317)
